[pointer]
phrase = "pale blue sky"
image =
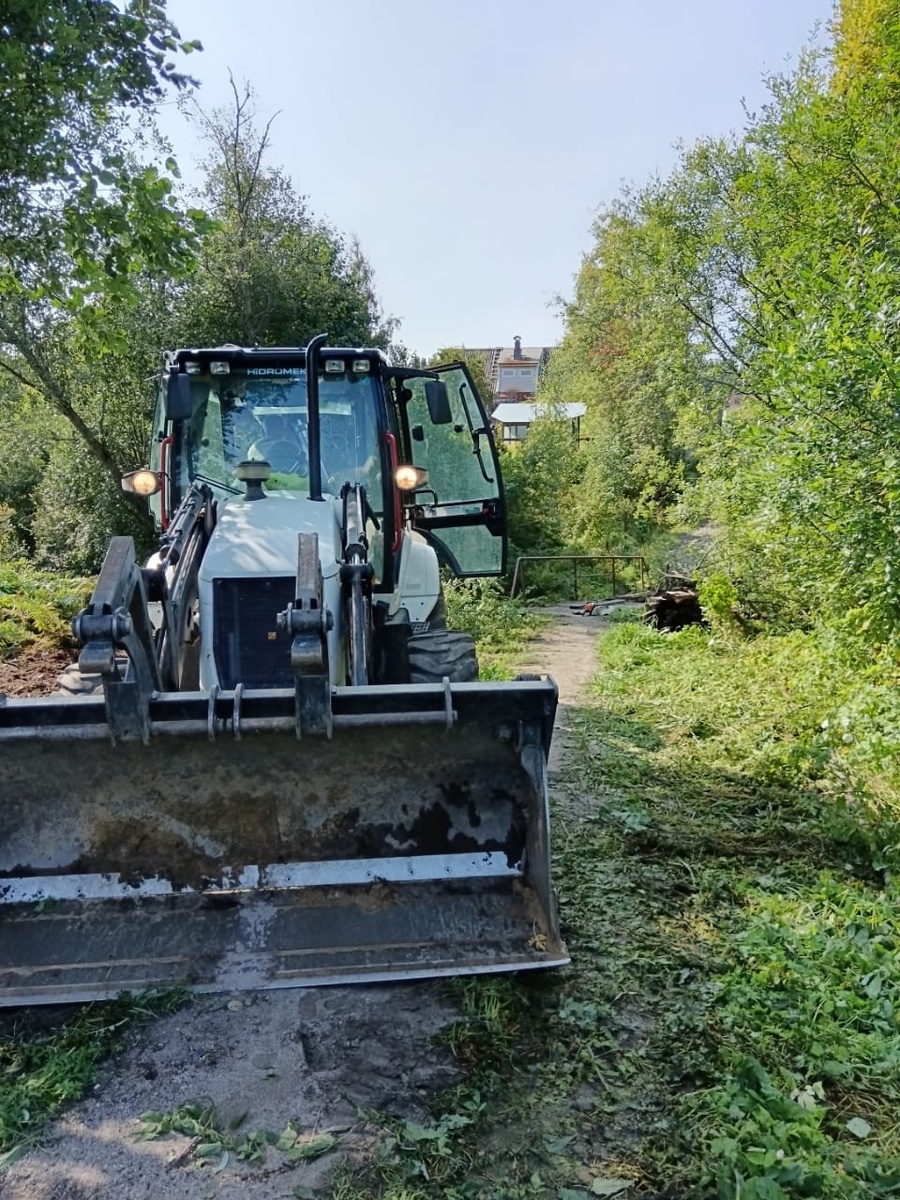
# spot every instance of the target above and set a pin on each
(469, 145)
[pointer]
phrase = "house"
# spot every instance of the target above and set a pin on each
(512, 418)
(513, 370)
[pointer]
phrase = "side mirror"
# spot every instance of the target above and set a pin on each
(179, 400)
(438, 402)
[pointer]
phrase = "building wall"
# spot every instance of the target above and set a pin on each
(520, 378)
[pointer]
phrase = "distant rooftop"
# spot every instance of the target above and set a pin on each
(522, 413)
(526, 354)
(494, 357)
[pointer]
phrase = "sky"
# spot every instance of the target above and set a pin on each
(470, 145)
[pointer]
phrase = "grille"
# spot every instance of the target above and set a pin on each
(249, 647)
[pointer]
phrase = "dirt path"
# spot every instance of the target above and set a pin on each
(567, 651)
(311, 1058)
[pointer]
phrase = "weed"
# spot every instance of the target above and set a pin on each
(500, 626)
(40, 1072)
(493, 1009)
(216, 1142)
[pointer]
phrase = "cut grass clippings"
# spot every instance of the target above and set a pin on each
(42, 1070)
(728, 1027)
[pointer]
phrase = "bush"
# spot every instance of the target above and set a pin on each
(36, 608)
(479, 606)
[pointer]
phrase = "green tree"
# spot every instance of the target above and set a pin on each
(68, 68)
(476, 365)
(542, 478)
(805, 472)
(83, 222)
(630, 354)
(270, 271)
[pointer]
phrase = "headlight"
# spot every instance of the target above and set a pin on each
(143, 482)
(408, 479)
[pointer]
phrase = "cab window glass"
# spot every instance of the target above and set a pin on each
(457, 456)
(462, 474)
(242, 416)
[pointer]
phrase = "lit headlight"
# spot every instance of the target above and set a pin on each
(408, 478)
(142, 482)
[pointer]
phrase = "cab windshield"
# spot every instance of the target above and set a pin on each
(247, 415)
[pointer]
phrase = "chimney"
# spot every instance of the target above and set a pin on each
(517, 347)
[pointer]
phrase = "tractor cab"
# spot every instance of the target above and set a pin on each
(360, 422)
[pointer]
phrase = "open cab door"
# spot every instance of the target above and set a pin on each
(460, 511)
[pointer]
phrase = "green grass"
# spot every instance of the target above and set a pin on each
(500, 626)
(729, 1025)
(43, 1069)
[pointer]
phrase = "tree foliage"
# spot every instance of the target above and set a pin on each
(65, 66)
(630, 355)
(477, 369)
(78, 214)
(543, 480)
(738, 320)
(270, 271)
(83, 221)
(863, 40)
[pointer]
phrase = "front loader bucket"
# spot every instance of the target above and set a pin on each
(226, 853)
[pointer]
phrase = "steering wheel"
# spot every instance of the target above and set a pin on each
(284, 456)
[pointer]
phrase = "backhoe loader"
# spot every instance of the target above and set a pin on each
(277, 767)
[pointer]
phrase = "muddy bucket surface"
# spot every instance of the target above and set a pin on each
(214, 861)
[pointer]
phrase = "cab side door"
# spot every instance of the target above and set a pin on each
(461, 509)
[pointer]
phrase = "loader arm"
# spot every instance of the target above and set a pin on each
(117, 624)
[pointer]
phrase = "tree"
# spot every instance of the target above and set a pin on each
(65, 66)
(77, 213)
(863, 43)
(83, 223)
(630, 355)
(270, 272)
(542, 478)
(476, 365)
(805, 473)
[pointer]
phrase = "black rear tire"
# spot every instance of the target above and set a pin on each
(442, 653)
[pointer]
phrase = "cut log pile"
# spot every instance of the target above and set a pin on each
(674, 604)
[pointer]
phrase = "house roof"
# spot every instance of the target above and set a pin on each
(528, 354)
(522, 413)
(493, 356)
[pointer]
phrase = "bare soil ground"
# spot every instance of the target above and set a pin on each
(313, 1058)
(34, 673)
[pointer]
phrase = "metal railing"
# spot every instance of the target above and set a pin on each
(518, 581)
